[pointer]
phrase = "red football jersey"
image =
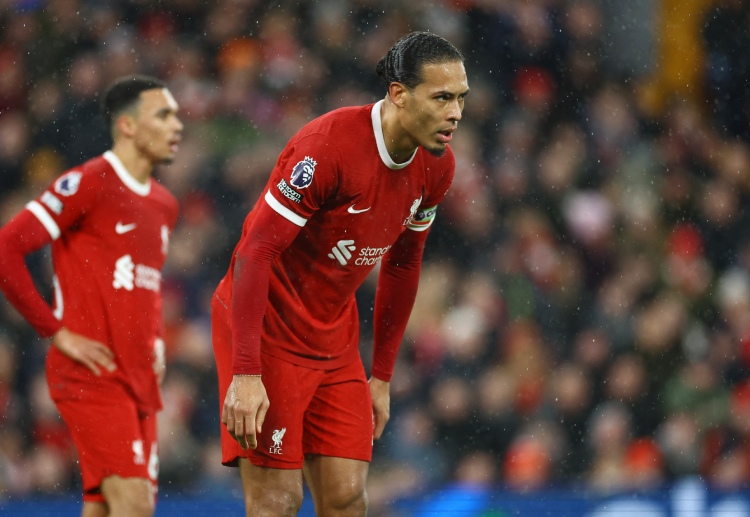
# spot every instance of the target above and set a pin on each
(337, 181)
(110, 235)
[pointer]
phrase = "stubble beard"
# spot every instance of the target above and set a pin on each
(436, 152)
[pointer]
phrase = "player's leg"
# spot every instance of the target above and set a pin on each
(271, 492)
(337, 485)
(272, 473)
(133, 492)
(338, 442)
(124, 496)
(119, 471)
(130, 496)
(94, 509)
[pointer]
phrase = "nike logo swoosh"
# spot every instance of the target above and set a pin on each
(351, 210)
(124, 228)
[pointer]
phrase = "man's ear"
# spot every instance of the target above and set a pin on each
(125, 125)
(397, 93)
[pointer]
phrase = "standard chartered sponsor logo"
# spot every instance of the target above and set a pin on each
(128, 275)
(371, 256)
(367, 256)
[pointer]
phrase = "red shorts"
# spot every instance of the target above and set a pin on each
(112, 438)
(313, 411)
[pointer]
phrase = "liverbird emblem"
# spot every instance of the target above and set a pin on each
(277, 436)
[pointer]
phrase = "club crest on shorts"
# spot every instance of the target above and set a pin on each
(302, 173)
(277, 436)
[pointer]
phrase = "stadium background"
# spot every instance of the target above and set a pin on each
(582, 329)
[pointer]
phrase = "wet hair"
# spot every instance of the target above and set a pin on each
(124, 93)
(405, 60)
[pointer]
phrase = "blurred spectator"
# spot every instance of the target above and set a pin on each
(583, 315)
(725, 28)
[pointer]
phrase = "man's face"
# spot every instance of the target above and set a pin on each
(434, 106)
(158, 130)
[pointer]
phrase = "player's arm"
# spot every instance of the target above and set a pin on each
(394, 299)
(246, 402)
(21, 236)
(306, 175)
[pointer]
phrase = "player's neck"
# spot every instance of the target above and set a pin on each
(134, 162)
(400, 146)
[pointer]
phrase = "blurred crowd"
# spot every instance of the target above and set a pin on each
(583, 318)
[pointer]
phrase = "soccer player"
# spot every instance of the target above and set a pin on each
(109, 223)
(354, 188)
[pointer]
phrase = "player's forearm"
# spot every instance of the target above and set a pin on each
(397, 290)
(21, 236)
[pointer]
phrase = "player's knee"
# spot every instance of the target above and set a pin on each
(143, 507)
(273, 503)
(350, 500)
(129, 496)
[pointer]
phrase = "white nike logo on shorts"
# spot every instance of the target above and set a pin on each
(351, 210)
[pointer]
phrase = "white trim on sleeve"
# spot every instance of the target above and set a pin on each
(284, 211)
(38, 210)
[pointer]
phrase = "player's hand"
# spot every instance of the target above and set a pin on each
(245, 408)
(90, 353)
(160, 361)
(380, 391)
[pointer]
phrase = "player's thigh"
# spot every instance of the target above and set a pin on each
(338, 420)
(290, 389)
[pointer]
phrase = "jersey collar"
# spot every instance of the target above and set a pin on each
(142, 189)
(377, 127)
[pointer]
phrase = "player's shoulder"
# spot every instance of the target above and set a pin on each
(159, 189)
(439, 171)
(163, 194)
(339, 122)
(96, 166)
(87, 175)
(98, 169)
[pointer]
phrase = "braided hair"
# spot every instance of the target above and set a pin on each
(404, 61)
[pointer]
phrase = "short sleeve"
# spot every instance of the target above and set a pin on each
(306, 175)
